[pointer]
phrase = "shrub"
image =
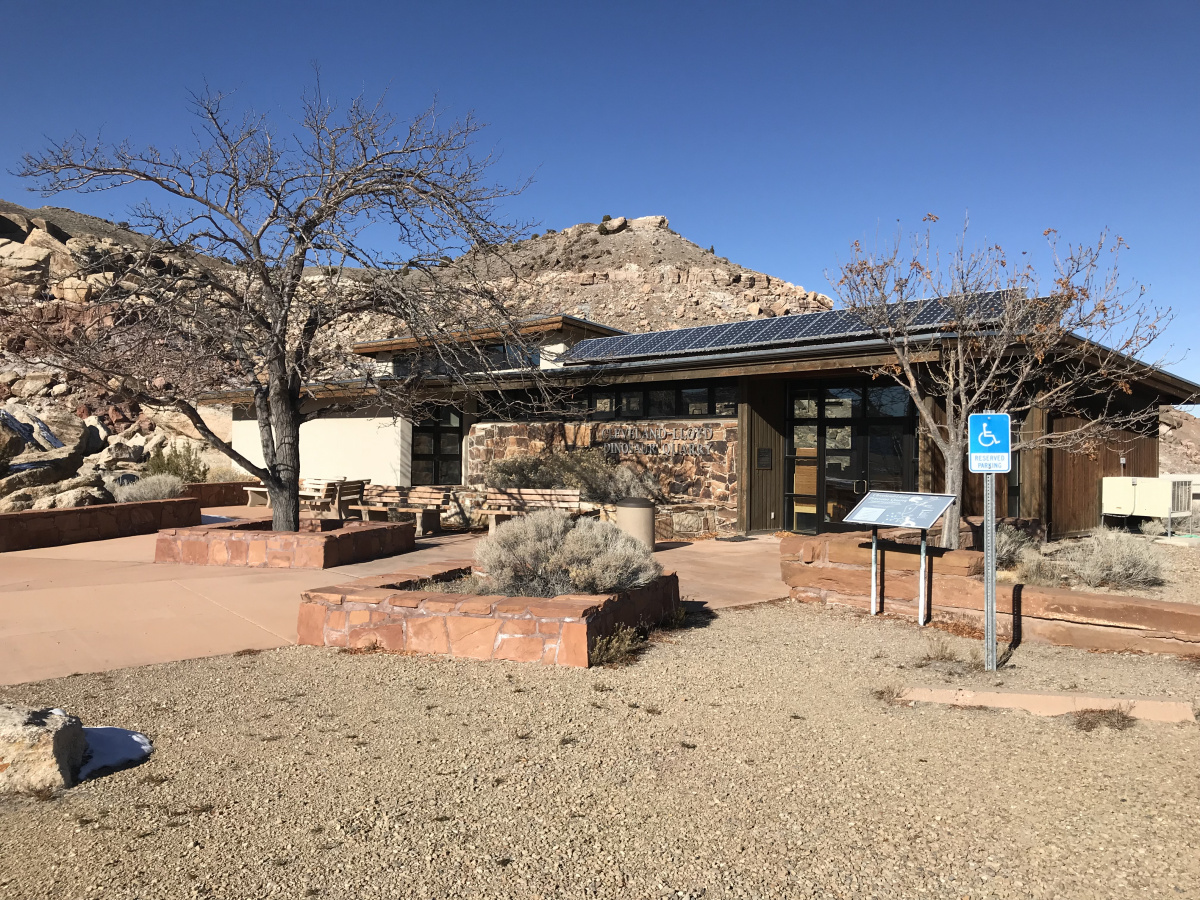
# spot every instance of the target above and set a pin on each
(1114, 558)
(182, 460)
(547, 553)
(1010, 544)
(1106, 558)
(589, 470)
(227, 473)
(1152, 527)
(606, 218)
(152, 487)
(619, 648)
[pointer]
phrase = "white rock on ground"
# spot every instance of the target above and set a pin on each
(40, 749)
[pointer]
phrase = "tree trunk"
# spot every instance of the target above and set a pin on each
(285, 492)
(952, 520)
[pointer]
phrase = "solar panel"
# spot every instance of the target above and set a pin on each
(824, 325)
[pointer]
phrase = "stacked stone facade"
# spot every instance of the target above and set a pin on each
(692, 459)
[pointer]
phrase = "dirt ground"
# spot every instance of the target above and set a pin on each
(747, 758)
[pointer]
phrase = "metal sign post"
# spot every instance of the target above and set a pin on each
(989, 450)
(874, 570)
(922, 590)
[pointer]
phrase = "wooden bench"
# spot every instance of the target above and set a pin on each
(336, 495)
(503, 504)
(317, 495)
(426, 503)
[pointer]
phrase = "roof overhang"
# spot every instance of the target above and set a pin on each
(585, 327)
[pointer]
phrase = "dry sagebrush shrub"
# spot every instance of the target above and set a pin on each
(547, 553)
(152, 487)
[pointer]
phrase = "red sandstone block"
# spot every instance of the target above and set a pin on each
(477, 605)
(570, 609)
(310, 556)
(194, 553)
(520, 649)
(385, 637)
(549, 653)
(335, 620)
(336, 639)
(849, 553)
(368, 595)
(218, 553)
(573, 645)
(427, 634)
(359, 617)
(514, 606)
(331, 596)
(166, 550)
(472, 637)
(281, 542)
(279, 559)
(310, 626)
(518, 626)
(405, 599)
(435, 603)
(256, 553)
(238, 552)
(545, 627)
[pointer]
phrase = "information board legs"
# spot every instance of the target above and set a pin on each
(922, 588)
(874, 570)
(989, 572)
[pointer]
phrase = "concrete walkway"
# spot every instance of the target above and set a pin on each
(106, 604)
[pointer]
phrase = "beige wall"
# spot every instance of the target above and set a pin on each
(342, 447)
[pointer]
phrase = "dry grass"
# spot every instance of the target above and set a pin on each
(889, 693)
(1106, 558)
(938, 649)
(620, 648)
(1118, 719)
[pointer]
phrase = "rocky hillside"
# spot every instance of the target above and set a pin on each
(1178, 443)
(639, 275)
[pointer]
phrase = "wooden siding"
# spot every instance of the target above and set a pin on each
(767, 402)
(1075, 477)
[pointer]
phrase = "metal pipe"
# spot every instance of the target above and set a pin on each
(922, 591)
(874, 570)
(989, 571)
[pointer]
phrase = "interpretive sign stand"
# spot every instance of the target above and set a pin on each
(898, 509)
(989, 451)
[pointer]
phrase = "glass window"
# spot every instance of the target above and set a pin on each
(804, 405)
(695, 401)
(804, 437)
(887, 401)
(604, 405)
(662, 403)
(726, 401)
(631, 404)
(422, 471)
(448, 415)
(451, 471)
(422, 442)
(843, 403)
(448, 442)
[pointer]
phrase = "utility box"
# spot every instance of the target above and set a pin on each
(1157, 498)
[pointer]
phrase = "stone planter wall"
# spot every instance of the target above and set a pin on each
(324, 543)
(219, 493)
(835, 569)
(690, 458)
(52, 527)
(379, 612)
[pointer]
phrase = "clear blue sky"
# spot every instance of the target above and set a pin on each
(776, 132)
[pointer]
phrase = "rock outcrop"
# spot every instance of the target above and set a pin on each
(41, 750)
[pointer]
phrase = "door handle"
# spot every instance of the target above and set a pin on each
(858, 489)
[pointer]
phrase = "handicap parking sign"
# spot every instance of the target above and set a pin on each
(989, 447)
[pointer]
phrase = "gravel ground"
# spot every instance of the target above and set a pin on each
(748, 758)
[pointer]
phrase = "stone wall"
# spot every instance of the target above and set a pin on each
(322, 544)
(52, 527)
(692, 459)
(835, 569)
(383, 612)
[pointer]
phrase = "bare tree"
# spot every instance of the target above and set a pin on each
(274, 250)
(1000, 343)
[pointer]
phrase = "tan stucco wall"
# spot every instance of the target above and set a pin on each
(350, 447)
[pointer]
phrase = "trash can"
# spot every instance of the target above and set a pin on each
(635, 516)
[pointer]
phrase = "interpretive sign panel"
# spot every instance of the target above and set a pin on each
(898, 509)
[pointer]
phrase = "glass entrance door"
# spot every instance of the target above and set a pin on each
(437, 449)
(845, 441)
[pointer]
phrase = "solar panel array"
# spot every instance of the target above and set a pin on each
(818, 326)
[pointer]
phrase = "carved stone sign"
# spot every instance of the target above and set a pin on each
(656, 440)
